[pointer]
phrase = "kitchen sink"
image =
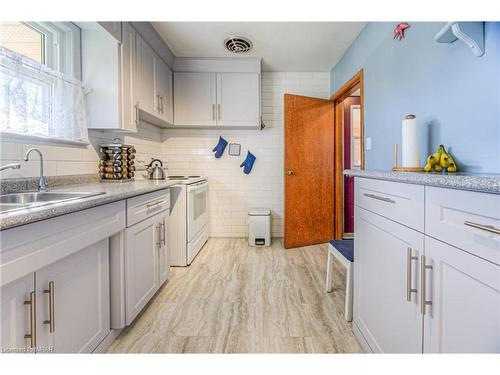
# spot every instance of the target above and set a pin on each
(19, 201)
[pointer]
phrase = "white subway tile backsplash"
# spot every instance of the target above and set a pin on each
(231, 192)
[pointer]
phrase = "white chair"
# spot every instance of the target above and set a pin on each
(343, 250)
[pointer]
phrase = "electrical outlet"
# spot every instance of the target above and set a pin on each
(368, 143)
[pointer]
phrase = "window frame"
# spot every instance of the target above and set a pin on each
(62, 46)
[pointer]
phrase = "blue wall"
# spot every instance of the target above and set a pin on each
(453, 92)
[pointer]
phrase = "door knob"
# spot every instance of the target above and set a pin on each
(290, 172)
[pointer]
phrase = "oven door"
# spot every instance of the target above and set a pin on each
(197, 202)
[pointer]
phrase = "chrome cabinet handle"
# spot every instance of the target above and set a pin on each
(158, 103)
(51, 322)
(378, 197)
(213, 112)
(137, 113)
(158, 233)
(488, 228)
(218, 111)
(423, 301)
(409, 259)
(161, 102)
(163, 232)
(155, 203)
(32, 334)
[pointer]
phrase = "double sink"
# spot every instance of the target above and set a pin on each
(20, 201)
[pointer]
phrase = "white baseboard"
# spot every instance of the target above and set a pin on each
(108, 340)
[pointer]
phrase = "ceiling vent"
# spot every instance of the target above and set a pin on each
(238, 44)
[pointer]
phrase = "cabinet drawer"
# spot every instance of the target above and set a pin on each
(464, 219)
(403, 203)
(146, 205)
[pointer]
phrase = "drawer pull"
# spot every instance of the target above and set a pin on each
(423, 279)
(409, 289)
(378, 197)
(488, 228)
(155, 203)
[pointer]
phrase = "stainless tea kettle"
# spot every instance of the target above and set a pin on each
(155, 172)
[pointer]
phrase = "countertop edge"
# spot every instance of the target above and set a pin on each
(51, 211)
(476, 183)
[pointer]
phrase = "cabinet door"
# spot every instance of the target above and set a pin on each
(163, 248)
(16, 315)
(465, 293)
(128, 78)
(163, 84)
(238, 99)
(194, 99)
(77, 303)
(141, 262)
(388, 321)
(146, 90)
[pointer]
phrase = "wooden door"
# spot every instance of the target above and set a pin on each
(141, 263)
(465, 293)
(195, 99)
(388, 321)
(146, 90)
(309, 171)
(238, 99)
(16, 315)
(80, 307)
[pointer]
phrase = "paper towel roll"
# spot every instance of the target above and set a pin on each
(411, 142)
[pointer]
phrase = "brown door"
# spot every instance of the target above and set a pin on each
(309, 170)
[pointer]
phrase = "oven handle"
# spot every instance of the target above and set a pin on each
(197, 187)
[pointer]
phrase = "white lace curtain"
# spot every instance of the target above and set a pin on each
(38, 101)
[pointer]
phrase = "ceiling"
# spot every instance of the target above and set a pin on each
(283, 46)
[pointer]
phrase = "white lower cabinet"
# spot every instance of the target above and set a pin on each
(464, 290)
(387, 320)
(147, 260)
(73, 301)
(16, 315)
(67, 312)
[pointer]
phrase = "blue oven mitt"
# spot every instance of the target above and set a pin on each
(221, 146)
(248, 163)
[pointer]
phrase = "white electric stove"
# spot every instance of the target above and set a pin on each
(188, 222)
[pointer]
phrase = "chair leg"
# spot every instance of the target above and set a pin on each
(349, 292)
(329, 273)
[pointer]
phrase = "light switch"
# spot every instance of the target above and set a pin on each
(368, 143)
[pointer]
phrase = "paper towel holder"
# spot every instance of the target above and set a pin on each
(397, 168)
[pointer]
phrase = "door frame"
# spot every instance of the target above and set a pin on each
(355, 83)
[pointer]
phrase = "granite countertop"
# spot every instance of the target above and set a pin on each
(486, 183)
(113, 192)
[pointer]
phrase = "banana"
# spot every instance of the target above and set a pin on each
(428, 167)
(438, 168)
(444, 161)
(452, 168)
(431, 160)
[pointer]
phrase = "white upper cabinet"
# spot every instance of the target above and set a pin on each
(128, 66)
(146, 91)
(211, 92)
(163, 83)
(195, 99)
(108, 71)
(238, 99)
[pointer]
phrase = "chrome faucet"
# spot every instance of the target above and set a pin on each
(41, 181)
(10, 166)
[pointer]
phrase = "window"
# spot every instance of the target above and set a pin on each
(22, 38)
(39, 95)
